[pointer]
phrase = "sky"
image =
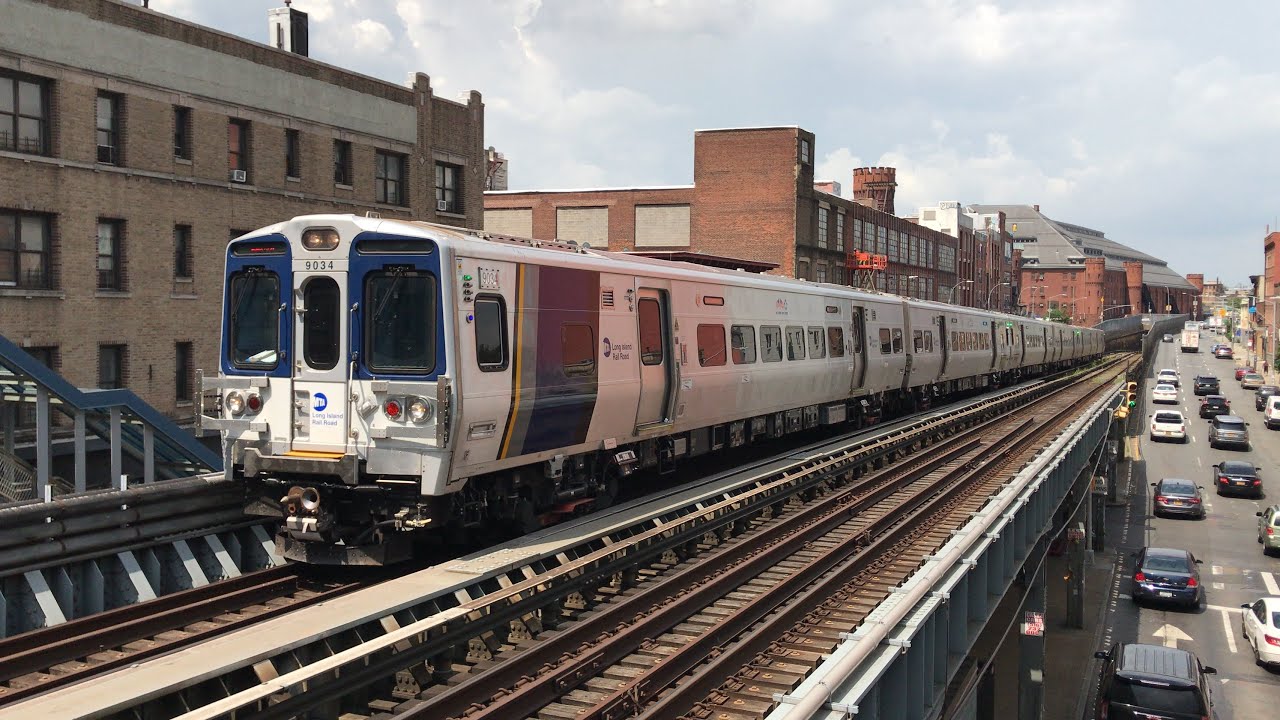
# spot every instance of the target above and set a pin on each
(1155, 122)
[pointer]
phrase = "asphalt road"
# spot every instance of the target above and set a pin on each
(1233, 568)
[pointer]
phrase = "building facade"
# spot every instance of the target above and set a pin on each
(753, 196)
(134, 145)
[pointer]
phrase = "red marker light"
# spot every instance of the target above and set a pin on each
(254, 403)
(392, 409)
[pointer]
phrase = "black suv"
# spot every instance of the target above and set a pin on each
(1214, 405)
(1206, 385)
(1143, 681)
(1264, 392)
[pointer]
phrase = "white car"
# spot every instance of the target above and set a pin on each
(1260, 625)
(1164, 393)
(1168, 376)
(1169, 425)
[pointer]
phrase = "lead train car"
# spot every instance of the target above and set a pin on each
(379, 377)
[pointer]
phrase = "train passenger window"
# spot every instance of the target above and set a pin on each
(955, 341)
(771, 343)
(255, 319)
(835, 341)
(743, 340)
(491, 333)
(650, 331)
(886, 342)
(897, 340)
(321, 323)
(711, 351)
(795, 343)
(918, 341)
(817, 344)
(578, 349)
(400, 322)
(928, 341)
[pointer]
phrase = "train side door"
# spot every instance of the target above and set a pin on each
(946, 347)
(858, 335)
(995, 347)
(653, 313)
(320, 369)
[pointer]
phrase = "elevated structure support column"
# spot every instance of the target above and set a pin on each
(43, 443)
(1031, 650)
(117, 454)
(81, 484)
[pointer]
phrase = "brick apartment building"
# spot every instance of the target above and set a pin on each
(134, 145)
(753, 198)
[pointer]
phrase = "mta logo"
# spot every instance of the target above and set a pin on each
(607, 347)
(320, 402)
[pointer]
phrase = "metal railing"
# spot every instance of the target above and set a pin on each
(17, 479)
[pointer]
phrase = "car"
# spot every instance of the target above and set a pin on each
(1214, 405)
(1206, 385)
(1242, 371)
(1260, 625)
(1237, 476)
(1269, 529)
(1168, 376)
(1166, 575)
(1229, 430)
(1260, 396)
(1164, 393)
(1168, 425)
(1167, 338)
(1223, 352)
(1251, 381)
(1177, 497)
(1153, 681)
(1271, 415)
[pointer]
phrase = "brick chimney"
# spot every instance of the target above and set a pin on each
(876, 184)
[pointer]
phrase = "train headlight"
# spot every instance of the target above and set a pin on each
(235, 402)
(320, 239)
(420, 411)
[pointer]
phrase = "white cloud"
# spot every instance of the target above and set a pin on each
(838, 165)
(370, 35)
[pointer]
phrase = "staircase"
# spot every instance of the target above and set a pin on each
(17, 479)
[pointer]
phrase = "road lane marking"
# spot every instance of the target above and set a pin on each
(1199, 464)
(1223, 608)
(1219, 586)
(1217, 569)
(1231, 636)
(1270, 581)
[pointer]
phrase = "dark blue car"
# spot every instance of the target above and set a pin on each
(1167, 575)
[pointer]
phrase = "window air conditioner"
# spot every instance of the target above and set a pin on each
(238, 176)
(442, 206)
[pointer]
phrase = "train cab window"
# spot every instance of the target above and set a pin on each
(771, 343)
(711, 349)
(928, 341)
(491, 334)
(835, 342)
(400, 322)
(855, 337)
(795, 343)
(578, 349)
(743, 340)
(897, 341)
(321, 323)
(817, 343)
(650, 313)
(886, 342)
(918, 341)
(254, 320)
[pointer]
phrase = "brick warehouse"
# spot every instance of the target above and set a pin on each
(134, 145)
(754, 197)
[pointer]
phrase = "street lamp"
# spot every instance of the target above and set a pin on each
(951, 297)
(992, 291)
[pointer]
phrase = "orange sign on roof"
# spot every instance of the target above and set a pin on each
(869, 261)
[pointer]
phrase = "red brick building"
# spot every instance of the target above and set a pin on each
(753, 196)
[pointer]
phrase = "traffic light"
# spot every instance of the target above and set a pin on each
(1131, 394)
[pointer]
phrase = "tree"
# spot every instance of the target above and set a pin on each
(1056, 315)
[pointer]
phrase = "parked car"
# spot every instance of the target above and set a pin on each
(1228, 430)
(1260, 625)
(1261, 395)
(1206, 385)
(1167, 575)
(1251, 381)
(1152, 681)
(1167, 338)
(1224, 352)
(1173, 496)
(1271, 415)
(1242, 371)
(1168, 376)
(1237, 476)
(1269, 529)
(1214, 405)
(1164, 393)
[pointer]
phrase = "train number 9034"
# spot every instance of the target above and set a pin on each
(319, 265)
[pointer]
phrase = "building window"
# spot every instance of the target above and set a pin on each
(238, 149)
(821, 270)
(109, 128)
(804, 151)
(111, 363)
(182, 251)
(110, 254)
(448, 188)
(182, 372)
(882, 242)
(24, 114)
(25, 250)
(388, 181)
(342, 162)
(840, 232)
(822, 227)
(292, 154)
(182, 132)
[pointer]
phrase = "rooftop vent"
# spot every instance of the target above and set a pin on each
(287, 29)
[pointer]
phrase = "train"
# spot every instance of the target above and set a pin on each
(380, 379)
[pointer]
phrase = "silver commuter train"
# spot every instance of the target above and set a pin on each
(381, 377)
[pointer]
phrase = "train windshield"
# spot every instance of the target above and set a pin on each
(400, 321)
(255, 319)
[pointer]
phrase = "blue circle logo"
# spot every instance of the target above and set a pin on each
(321, 402)
(607, 347)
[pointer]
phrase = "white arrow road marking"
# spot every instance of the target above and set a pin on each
(1226, 627)
(1270, 581)
(1217, 569)
(1171, 635)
